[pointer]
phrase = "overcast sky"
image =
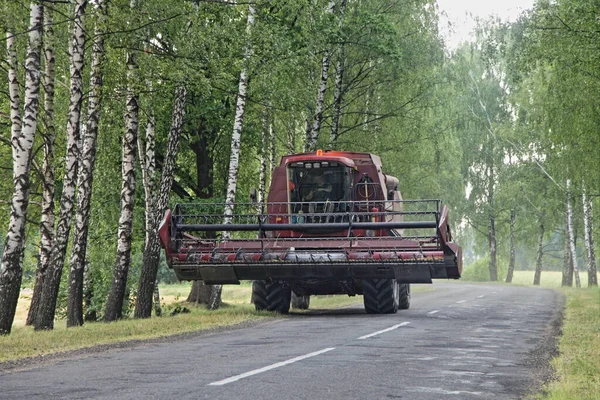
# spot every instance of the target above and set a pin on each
(462, 25)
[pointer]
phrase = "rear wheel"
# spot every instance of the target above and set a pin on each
(271, 296)
(300, 302)
(381, 296)
(404, 297)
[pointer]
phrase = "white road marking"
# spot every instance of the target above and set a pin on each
(433, 312)
(391, 328)
(461, 301)
(269, 367)
(481, 297)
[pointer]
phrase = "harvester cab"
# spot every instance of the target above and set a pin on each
(333, 223)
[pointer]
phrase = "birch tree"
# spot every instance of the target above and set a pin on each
(22, 137)
(313, 134)
(86, 174)
(588, 232)
(48, 215)
(159, 203)
(571, 235)
(51, 280)
(114, 303)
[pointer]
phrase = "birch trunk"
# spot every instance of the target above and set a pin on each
(264, 158)
(114, 303)
(571, 234)
(337, 100)
(22, 137)
(540, 253)
(86, 176)
(339, 82)
(493, 266)
(147, 159)
(313, 134)
(272, 149)
(588, 234)
(511, 262)
(51, 280)
(567, 274)
(49, 184)
(147, 283)
(234, 159)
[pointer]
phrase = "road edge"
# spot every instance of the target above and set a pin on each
(539, 359)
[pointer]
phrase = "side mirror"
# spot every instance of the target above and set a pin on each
(253, 195)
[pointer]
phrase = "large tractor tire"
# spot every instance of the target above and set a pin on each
(300, 302)
(271, 296)
(404, 298)
(381, 296)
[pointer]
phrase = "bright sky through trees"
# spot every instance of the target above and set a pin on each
(458, 16)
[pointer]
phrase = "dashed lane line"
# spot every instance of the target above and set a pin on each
(391, 328)
(433, 312)
(461, 301)
(269, 367)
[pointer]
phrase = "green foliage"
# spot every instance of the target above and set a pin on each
(478, 271)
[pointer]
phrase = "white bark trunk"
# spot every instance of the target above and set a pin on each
(572, 236)
(47, 309)
(511, 262)
(147, 282)
(114, 304)
(540, 254)
(237, 125)
(311, 140)
(22, 143)
(588, 234)
(272, 149)
(86, 176)
(339, 82)
(49, 184)
(264, 158)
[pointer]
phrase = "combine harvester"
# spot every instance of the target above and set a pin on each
(333, 223)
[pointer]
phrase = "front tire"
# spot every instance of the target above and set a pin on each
(271, 296)
(300, 302)
(404, 297)
(381, 296)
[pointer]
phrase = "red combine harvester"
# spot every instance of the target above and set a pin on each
(333, 223)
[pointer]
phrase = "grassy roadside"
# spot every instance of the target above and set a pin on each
(24, 342)
(578, 364)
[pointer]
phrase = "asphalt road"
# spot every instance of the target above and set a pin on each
(459, 341)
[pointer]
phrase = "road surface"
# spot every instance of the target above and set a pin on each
(458, 341)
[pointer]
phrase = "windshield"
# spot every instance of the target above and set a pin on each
(320, 182)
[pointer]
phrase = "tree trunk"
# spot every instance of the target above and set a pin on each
(511, 262)
(147, 160)
(313, 135)
(567, 274)
(147, 283)
(588, 234)
(264, 158)
(51, 280)
(22, 137)
(540, 254)
(86, 176)
(201, 293)
(48, 181)
(234, 159)
(571, 234)
(114, 303)
(339, 83)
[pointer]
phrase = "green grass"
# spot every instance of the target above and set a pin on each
(578, 365)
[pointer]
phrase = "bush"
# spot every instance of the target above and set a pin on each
(478, 271)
